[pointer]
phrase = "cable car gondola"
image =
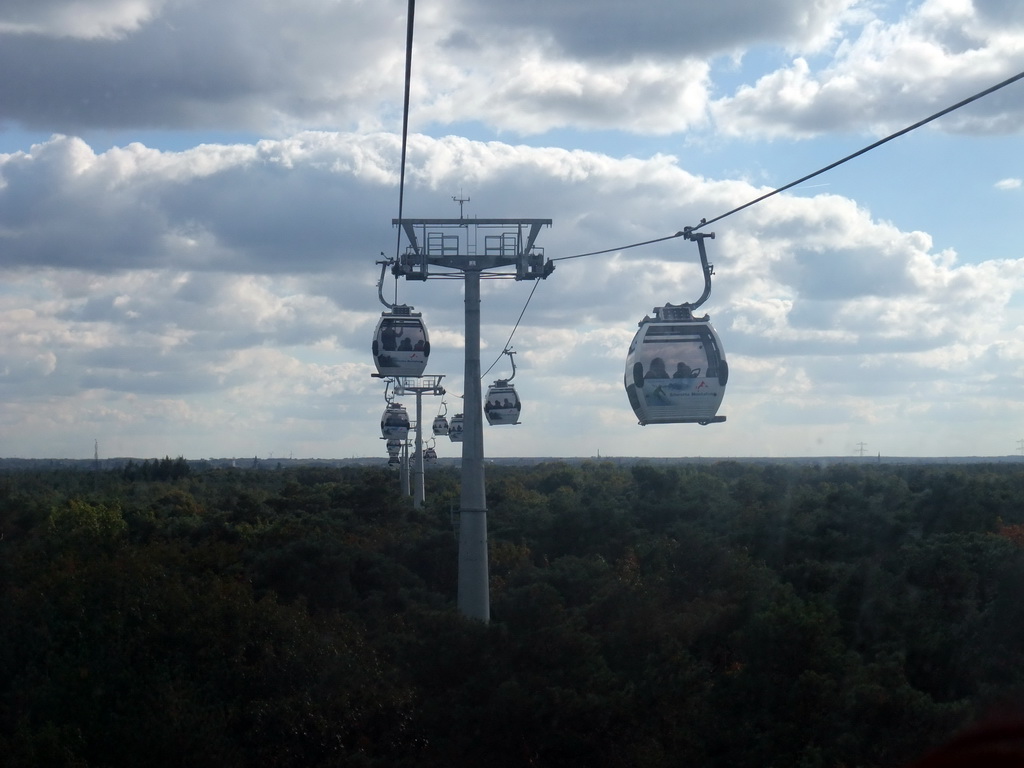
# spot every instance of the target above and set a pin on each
(394, 423)
(502, 404)
(394, 446)
(676, 370)
(455, 428)
(440, 426)
(401, 345)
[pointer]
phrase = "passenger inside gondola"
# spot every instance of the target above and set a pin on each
(683, 371)
(657, 369)
(389, 336)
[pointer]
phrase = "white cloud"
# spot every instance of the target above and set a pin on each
(816, 302)
(890, 76)
(82, 19)
(657, 29)
(525, 69)
(220, 298)
(535, 93)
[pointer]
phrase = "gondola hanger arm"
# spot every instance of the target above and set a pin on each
(511, 352)
(708, 269)
(380, 283)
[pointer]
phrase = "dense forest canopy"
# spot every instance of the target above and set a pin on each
(721, 614)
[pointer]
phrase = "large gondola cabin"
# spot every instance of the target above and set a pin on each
(401, 345)
(676, 370)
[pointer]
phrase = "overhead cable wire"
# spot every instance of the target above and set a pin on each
(405, 118)
(858, 153)
(801, 180)
(621, 247)
(514, 329)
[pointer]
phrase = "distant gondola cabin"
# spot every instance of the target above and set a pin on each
(455, 428)
(502, 404)
(394, 423)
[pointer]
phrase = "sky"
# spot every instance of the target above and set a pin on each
(194, 197)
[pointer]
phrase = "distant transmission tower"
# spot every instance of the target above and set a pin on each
(860, 449)
(96, 455)
(1020, 447)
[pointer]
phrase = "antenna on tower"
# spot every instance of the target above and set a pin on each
(460, 201)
